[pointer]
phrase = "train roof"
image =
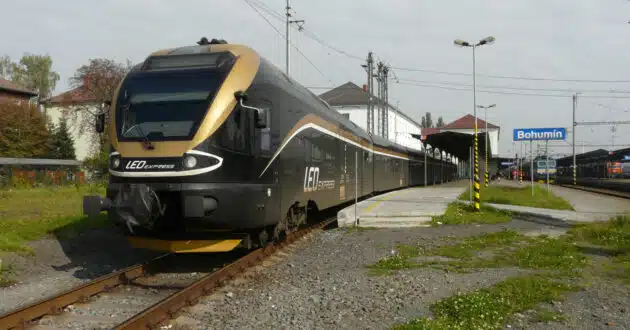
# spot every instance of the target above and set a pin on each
(317, 104)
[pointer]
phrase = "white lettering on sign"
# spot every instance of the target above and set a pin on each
(311, 178)
(135, 165)
(547, 135)
(312, 182)
(142, 165)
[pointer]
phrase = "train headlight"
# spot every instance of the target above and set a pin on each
(115, 161)
(190, 162)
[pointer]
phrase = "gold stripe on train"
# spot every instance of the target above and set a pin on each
(239, 78)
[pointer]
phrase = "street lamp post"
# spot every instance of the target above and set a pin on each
(486, 138)
(463, 43)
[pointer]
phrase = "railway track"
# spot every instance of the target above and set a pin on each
(602, 191)
(171, 298)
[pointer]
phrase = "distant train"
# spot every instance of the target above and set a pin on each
(599, 163)
(213, 148)
(543, 169)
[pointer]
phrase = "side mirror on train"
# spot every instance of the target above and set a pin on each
(261, 115)
(100, 123)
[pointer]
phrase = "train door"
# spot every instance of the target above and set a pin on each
(367, 176)
(262, 151)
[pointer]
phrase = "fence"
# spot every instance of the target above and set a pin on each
(34, 172)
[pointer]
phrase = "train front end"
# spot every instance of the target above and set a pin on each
(179, 161)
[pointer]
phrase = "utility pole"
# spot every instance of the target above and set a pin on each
(369, 67)
(574, 131)
(379, 110)
(288, 33)
(386, 103)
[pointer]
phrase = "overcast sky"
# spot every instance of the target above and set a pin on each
(560, 39)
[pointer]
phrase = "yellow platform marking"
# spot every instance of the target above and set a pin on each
(378, 202)
(184, 246)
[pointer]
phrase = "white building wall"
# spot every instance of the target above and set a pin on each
(82, 142)
(399, 127)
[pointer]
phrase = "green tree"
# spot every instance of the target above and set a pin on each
(440, 122)
(97, 82)
(6, 67)
(50, 141)
(63, 141)
(23, 131)
(35, 72)
(426, 122)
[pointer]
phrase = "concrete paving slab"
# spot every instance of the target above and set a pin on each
(410, 207)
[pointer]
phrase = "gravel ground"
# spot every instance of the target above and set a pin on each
(322, 283)
(61, 265)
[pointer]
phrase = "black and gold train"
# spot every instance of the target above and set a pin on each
(213, 148)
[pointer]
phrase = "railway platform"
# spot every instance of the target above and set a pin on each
(411, 207)
(588, 206)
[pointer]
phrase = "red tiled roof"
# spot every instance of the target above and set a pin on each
(429, 131)
(14, 88)
(468, 122)
(74, 96)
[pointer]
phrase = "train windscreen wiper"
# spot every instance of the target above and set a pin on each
(147, 142)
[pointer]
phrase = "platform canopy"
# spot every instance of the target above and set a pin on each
(454, 143)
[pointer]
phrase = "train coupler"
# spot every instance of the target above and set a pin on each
(137, 205)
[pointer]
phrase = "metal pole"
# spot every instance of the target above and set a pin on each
(470, 172)
(356, 187)
(574, 131)
(520, 165)
(531, 164)
(288, 30)
(476, 142)
(486, 142)
(547, 162)
(425, 165)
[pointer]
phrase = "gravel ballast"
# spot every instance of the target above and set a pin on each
(57, 265)
(323, 282)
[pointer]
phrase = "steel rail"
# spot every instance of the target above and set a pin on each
(22, 317)
(154, 316)
(602, 191)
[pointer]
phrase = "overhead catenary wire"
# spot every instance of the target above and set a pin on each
(284, 36)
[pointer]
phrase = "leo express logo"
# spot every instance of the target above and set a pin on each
(142, 165)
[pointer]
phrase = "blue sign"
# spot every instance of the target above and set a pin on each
(529, 134)
(506, 163)
(626, 157)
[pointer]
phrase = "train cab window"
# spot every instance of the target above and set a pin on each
(233, 133)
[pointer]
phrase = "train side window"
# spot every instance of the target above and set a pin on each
(262, 136)
(233, 132)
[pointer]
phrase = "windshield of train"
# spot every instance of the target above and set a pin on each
(546, 163)
(166, 104)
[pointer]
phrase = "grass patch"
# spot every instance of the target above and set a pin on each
(397, 261)
(510, 249)
(467, 248)
(489, 308)
(358, 229)
(521, 197)
(6, 276)
(30, 214)
(544, 314)
(459, 214)
(612, 237)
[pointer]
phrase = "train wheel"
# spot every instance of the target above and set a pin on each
(279, 231)
(263, 238)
